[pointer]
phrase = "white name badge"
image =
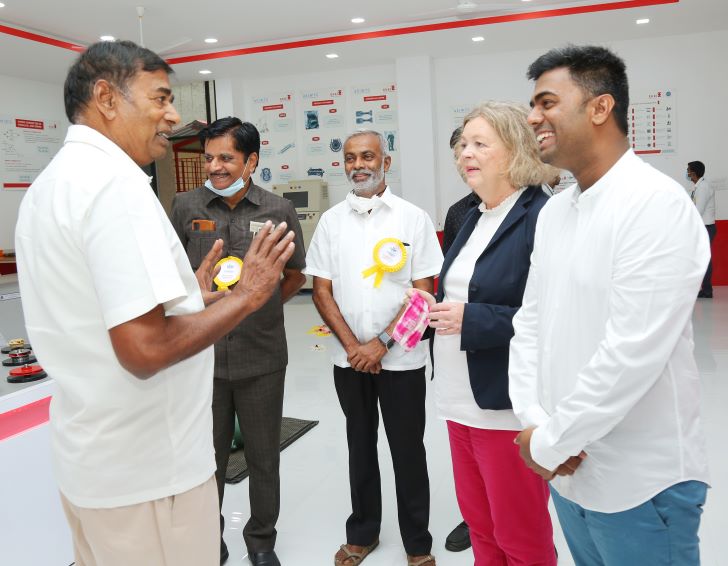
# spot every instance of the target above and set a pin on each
(256, 226)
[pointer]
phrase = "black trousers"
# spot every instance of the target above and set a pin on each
(401, 396)
(707, 286)
(258, 402)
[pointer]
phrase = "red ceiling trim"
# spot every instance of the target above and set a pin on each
(421, 29)
(542, 14)
(40, 38)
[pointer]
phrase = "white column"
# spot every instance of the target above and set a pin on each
(416, 105)
(224, 98)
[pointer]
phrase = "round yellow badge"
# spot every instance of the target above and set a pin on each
(390, 255)
(230, 269)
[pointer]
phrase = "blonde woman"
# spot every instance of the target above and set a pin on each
(481, 287)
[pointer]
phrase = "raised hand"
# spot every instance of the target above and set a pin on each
(207, 272)
(268, 254)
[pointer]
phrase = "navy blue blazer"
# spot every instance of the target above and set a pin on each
(495, 294)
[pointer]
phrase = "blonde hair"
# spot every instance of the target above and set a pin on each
(509, 121)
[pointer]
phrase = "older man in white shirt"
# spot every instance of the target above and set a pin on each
(119, 320)
(602, 373)
(366, 252)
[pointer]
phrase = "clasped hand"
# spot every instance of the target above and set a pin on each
(367, 357)
(566, 468)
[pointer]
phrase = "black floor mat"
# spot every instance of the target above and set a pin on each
(291, 430)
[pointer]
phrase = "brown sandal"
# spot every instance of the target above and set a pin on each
(353, 558)
(428, 560)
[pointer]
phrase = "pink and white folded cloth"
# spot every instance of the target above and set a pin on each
(412, 324)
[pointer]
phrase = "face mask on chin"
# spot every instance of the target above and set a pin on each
(232, 189)
(362, 205)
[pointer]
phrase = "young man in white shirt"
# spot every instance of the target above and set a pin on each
(366, 252)
(119, 320)
(703, 196)
(602, 374)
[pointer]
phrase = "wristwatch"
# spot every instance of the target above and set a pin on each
(387, 340)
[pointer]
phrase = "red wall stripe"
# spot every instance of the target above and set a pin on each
(421, 29)
(720, 253)
(24, 418)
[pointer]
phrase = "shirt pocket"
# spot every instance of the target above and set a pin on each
(240, 239)
(199, 244)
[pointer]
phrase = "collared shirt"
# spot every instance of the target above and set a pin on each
(95, 250)
(602, 357)
(258, 345)
(342, 248)
(455, 218)
(703, 196)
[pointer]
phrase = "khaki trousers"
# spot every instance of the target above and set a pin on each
(180, 530)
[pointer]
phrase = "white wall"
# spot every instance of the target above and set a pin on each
(693, 66)
(25, 99)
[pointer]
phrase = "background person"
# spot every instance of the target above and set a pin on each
(703, 196)
(250, 362)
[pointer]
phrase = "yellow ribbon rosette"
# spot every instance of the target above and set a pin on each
(230, 269)
(390, 255)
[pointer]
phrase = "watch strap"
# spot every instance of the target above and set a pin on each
(386, 339)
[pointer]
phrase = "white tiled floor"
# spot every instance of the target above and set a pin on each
(315, 493)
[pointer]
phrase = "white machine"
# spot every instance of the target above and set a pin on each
(311, 199)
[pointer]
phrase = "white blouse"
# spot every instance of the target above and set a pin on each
(453, 394)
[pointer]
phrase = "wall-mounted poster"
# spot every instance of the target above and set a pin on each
(323, 122)
(274, 116)
(26, 147)
(651, 122)
(374, 107)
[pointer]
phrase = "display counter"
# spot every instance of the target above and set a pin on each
(33, 530)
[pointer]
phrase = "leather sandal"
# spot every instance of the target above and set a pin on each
(427, 560)
(353, 558)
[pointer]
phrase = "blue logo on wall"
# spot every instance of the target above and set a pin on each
(265, 174)
(335, 145)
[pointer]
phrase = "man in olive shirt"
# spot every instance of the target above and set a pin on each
(250, 362)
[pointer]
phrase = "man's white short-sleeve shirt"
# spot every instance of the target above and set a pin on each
(342, 248)
(95, 249)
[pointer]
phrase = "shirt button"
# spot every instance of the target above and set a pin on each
(230, 338)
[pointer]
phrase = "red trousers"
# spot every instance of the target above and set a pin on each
(503, 502)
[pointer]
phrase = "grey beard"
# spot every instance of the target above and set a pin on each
(368, 187)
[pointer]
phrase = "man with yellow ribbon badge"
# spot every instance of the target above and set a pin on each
(371, 370)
